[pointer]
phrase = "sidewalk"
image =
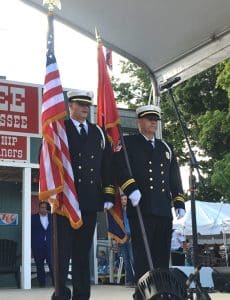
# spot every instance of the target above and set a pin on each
(99, 292)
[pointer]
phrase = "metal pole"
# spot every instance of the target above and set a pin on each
(144, 236)
(193, 214)
(26, 229)
(193, 164)
(55, 257)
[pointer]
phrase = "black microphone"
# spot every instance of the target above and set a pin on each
(169, 83)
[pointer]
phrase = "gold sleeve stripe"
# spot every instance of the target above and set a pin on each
(179, 198)
(109, 190)
(127, 183)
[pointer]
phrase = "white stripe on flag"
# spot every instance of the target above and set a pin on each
(51, 84)
(47, 165)
(51, 68)
(52, 102)
(65, 160)
(62, 134)
(72, 199)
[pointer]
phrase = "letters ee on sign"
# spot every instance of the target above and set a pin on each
(19, 108)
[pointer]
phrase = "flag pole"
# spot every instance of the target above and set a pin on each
(143, 231)
(144, 235)
(50, 50)
(107, 118)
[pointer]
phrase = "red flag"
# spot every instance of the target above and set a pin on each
(108, 118)
(56, 174)
(109, 59)
(107, 113)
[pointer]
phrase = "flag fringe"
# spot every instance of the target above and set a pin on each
(121, 224)
(53, 119)
(112, 125)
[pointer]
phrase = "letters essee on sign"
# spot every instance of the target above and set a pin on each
(18, 108)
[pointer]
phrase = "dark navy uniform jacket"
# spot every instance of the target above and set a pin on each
(39, 235)
(155, 173)
(91, 163)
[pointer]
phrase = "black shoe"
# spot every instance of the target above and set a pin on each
(65, 296)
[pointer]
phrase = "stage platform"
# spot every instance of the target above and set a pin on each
(99, 292)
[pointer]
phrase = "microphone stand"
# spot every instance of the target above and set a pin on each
(200, 293)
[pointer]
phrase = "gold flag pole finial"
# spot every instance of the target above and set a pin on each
(98, 38)
(51, 4)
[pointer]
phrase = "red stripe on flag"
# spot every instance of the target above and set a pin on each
(52, 75)
(55, 91)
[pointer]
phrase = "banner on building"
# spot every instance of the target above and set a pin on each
(13, 147)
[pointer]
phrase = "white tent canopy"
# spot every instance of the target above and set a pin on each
(167, 37)
(210, 217)
(226, 225)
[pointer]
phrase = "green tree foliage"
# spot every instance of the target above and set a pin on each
(203, 102)
(224, 77)
(134, 91)
(221, 175)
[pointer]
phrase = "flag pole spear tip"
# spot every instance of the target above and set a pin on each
(51, 4)
(98, 38)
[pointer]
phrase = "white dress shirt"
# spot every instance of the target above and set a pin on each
(152, 140)
(44, 221)
(177, 240)
(77, 125)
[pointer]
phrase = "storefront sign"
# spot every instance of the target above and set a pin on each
(8, 219)
(13, 147)
(19, 108)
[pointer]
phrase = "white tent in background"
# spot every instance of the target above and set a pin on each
(226, 225)
(210, 218)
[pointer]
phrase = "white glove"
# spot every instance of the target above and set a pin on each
(135, 197)
(180, 212)
(108, 205)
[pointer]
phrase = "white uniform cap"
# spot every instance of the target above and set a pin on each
(80, 95)
(145, 110)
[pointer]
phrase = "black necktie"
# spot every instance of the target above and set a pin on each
(152, 143)
(83, 132)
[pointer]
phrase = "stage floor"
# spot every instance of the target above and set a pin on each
(99, 292)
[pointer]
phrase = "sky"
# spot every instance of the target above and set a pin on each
(23, 49)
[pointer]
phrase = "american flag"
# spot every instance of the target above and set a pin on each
(56, 175)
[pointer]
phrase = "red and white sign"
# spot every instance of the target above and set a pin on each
(13, 147)
(19, 108)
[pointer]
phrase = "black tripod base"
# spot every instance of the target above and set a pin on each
(203, 296)
(53, 297)
(65, 296)
(137, 295)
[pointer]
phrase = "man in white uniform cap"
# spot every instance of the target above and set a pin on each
(154, 185)
(91, 158)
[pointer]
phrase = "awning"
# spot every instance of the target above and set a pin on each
(167, 37)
